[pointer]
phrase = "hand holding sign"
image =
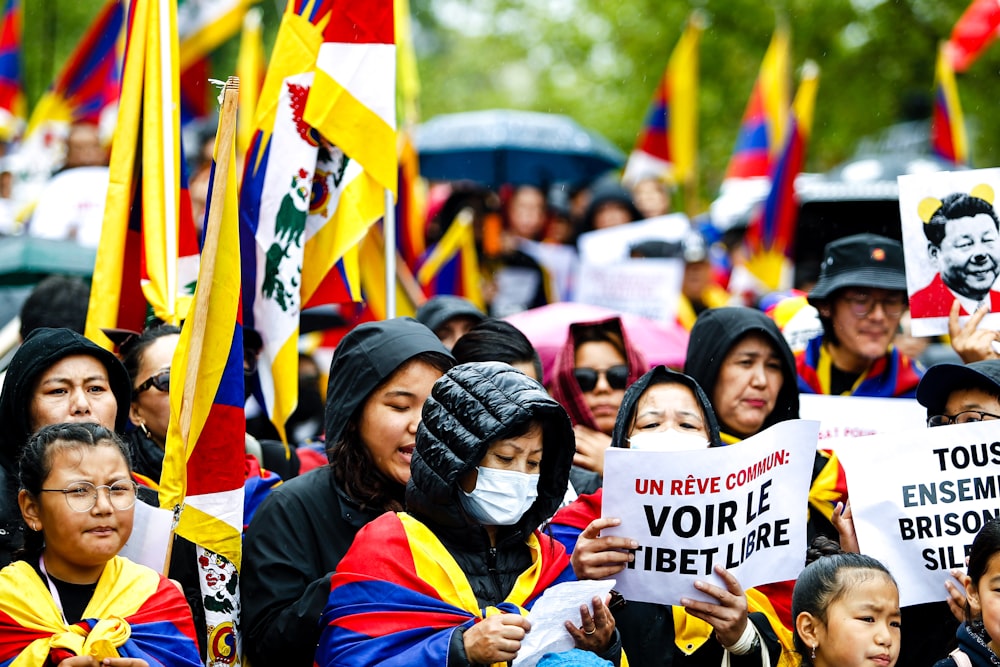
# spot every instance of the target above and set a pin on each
(729, 617)
(969, 341)
(597, 557)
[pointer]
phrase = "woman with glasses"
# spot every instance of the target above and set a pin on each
(591, 373)
(861, 297)
(56, 376)
(69, 599)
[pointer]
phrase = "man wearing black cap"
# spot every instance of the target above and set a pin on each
(449, 317)
(957, 394)
(861, 297)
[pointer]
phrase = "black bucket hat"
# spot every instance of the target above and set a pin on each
(862, 260)
(941, 379)
(443, 307)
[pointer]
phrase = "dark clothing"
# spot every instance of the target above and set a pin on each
(40, 350)
(292, 546)
(929, 632)
(974, 642)
(716, 332)
(74, 598)
(147, 456)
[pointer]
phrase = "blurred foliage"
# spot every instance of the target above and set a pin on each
(600, 62)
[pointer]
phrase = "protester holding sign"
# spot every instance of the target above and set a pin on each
(449, 581)
(860, 296)
(665, 409)
(846, 609)
(591, 373)
(976, 645)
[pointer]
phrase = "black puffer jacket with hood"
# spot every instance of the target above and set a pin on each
(470, 407)
(647, 629)
(716, 332)
(40, 350)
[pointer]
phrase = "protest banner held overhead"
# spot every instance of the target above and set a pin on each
(742, 507)
(920, 518)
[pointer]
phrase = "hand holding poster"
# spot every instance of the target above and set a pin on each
(919, 497)
(742, 507)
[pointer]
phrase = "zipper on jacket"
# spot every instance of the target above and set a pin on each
(491, 565)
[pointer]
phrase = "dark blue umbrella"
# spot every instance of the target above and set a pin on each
(518, 147)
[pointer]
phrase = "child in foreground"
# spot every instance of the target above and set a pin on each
(846, 611)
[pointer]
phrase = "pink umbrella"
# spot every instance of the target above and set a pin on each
(547, 327)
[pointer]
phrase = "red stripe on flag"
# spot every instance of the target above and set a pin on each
(225, 423)
(368, 22)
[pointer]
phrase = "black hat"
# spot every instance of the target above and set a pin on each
(441, 308)
(941, 379)
(862, 260)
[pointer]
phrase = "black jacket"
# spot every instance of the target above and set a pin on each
(717, 330)
(40, 350)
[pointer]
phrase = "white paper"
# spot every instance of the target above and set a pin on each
(150, 539)
(847, 417)
(548, 616)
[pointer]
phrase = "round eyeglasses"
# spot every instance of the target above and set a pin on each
(964, 417)
(863, 304)
(82, 496)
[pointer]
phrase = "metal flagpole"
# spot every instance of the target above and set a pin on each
(389, 240)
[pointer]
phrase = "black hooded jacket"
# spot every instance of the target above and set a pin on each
(717, 330)
(647, 629)
(39, 351)
(305, 526)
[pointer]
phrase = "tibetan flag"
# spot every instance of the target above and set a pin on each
(948, 138)
(667, 146)
(354, 108)
(250, 67)
(203, 25)
(411, 206)
(771, 233)
(371, 256)
(203, 465)
(90, 82)
(763, 125)
(452, 266)
(147, 259)
(196, 91)
(12, 105)
(975, 30)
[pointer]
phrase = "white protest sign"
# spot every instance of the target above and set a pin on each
(742, 507)
(857, 416)
(919, 497)
(646, 287)
(611, 245)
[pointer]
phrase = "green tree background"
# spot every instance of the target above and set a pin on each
(600, 62)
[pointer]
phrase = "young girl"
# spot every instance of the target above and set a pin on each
(975, 643)
(69, 599)
(846, 611)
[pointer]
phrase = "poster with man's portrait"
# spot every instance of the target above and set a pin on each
(951, 242)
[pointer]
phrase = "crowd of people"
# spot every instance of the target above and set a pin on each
(458, 484)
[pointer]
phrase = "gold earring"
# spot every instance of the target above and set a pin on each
(145, 431)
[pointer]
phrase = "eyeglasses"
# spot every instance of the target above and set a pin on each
(862, 304)
(82, 496)
(617, 377)
(160, 380)
(964, 417)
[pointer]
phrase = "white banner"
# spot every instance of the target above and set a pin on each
(742, 507)
(919, 498)
(858, 416)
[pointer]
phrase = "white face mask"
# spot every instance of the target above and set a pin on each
(501, 497)
(667, 441)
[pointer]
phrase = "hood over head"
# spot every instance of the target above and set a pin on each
(661, 375)
(717, 330)
(364, 359)
(40, 350)
(566, 389)
(469, 408)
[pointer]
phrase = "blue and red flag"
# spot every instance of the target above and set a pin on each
(763, 124)
(411, 205)
(90, 81)
(452, 265)
(398, 595)
(948, 137)
(772, 231)
(12, 105)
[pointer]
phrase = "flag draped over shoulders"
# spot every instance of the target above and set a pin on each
(134, 613)
(893, 375)
(398, 595)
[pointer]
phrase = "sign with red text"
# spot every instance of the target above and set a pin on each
(742, 507)
(919, 498)
(859, 416)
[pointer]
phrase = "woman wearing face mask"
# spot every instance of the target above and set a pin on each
(668, 410)
(380, 375)
(591, 373)
(425, 586)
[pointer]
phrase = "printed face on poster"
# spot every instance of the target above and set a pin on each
(920, 497)
(742, 507)
(951, 241)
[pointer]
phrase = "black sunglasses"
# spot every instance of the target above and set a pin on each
(160, 380)
(617, 377)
